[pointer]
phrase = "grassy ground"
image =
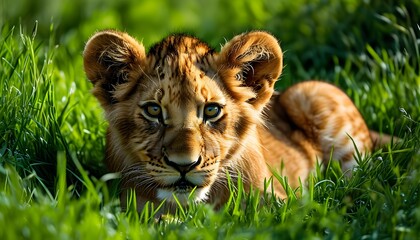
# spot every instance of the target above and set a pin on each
(53, 184)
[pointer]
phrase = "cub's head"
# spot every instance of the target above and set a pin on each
(182, 114)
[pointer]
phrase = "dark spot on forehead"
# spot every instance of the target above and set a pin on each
(161, 75)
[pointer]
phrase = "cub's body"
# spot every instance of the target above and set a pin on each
(182, 116)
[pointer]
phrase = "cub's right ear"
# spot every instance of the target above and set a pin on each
(113, 62)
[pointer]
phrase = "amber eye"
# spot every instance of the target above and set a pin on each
(153, 110)
(212, 111)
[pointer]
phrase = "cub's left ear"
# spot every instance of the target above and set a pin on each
(113, 62)
(249, 66)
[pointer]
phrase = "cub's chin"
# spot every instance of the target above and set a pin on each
(183, 195)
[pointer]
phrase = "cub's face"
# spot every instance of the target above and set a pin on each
(181, 126)
(179, 115)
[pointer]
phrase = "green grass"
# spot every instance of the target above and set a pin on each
(52, 181)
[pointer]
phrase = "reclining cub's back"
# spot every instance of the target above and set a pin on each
(182, 115)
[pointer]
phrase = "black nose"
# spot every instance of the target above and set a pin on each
(182, 168)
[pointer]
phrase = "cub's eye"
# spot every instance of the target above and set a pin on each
(212, 111)
(153, 110)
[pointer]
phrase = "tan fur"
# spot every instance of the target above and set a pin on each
(254, 130)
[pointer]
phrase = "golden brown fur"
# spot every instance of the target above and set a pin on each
(182, 115)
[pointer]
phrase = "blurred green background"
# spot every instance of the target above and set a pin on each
(315, 34)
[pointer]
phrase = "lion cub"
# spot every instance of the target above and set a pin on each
(182, 115)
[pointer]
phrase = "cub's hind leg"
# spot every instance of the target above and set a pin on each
(328, 118)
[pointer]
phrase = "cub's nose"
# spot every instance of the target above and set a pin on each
(182, 166)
